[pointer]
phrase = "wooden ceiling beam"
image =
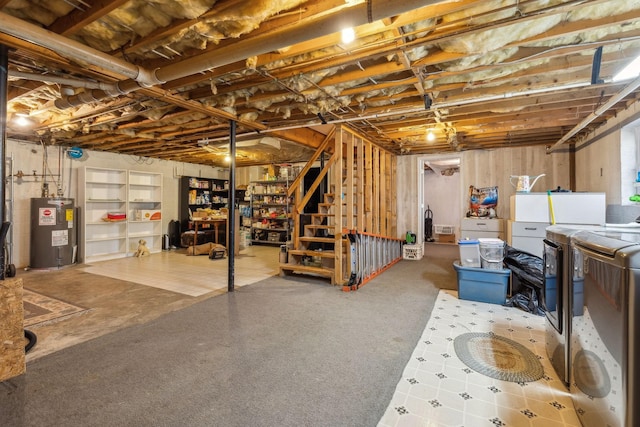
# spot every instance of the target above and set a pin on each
(78, 19)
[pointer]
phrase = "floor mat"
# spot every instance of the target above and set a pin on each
(39, 308)
(498, 357)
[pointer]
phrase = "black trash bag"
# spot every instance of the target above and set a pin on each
(528, 282)
(527, 299)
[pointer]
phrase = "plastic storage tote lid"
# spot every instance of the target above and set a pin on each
(490, 241)
(468, 241)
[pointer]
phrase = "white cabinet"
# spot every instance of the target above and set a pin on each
(474, 228)
(119, 207)
(530, 215)
(527, 236)
(144, 214)
(103, 197)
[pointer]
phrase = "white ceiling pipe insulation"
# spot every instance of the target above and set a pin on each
(360, 14)
(71, 49)
(65, 81)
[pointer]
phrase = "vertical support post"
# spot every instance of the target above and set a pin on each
(231, 215)
(4, 72)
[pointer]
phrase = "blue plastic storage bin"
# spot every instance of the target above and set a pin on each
(482, 285)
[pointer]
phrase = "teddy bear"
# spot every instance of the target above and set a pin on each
(142, 248)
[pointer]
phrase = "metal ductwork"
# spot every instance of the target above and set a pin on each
(65, 81)
(363, 13)
(71, 49)
(120, 88)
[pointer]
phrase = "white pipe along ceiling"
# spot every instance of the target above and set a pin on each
(153, 81)
(364, 13)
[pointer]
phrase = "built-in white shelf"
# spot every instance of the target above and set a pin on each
(104, 192)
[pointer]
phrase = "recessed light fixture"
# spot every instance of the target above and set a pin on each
(227, 159)
(348, 35)
(431, 136)
(22, 120)
(631, 71)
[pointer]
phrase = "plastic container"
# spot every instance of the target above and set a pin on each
(477, 284)
(491, 253)
(412, 252)
(469, 252)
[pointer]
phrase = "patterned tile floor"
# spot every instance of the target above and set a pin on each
(438, 390)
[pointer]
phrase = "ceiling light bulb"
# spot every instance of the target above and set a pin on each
(22, 120)
(348, 35)
(629, 72)
(227, 158)
(431, 136)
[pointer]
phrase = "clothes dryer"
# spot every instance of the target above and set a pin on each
(604, 380)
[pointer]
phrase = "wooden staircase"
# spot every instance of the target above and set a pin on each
(361, 179)
(315, 250)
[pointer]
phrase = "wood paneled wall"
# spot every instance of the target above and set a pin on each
(598, 159)
(481, 168)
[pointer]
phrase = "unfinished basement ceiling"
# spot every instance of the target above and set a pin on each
(164, 78)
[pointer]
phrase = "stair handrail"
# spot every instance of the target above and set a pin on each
(295, 185)
(296, 188)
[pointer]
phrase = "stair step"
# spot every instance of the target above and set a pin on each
(319, 226)
(323, 254)
(317, 239)
(307, 269)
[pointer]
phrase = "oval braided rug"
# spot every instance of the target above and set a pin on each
(498, 357)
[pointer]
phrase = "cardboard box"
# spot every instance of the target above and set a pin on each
(149, 215)
(274, 236)
(446, 238)
(482, 285)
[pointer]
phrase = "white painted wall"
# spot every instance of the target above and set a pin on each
(441, 195)
(28, 157)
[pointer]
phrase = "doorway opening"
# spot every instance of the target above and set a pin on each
(440, 193)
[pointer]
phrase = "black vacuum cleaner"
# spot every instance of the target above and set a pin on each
(428, 225)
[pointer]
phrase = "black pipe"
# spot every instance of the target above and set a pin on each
(4, 73)
(595, 67)
(31, 340)
(231, 215)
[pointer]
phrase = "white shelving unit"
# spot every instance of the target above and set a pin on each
(101, 192)
(144, 214)
(113, 192)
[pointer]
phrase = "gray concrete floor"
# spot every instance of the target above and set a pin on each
(120, 301)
